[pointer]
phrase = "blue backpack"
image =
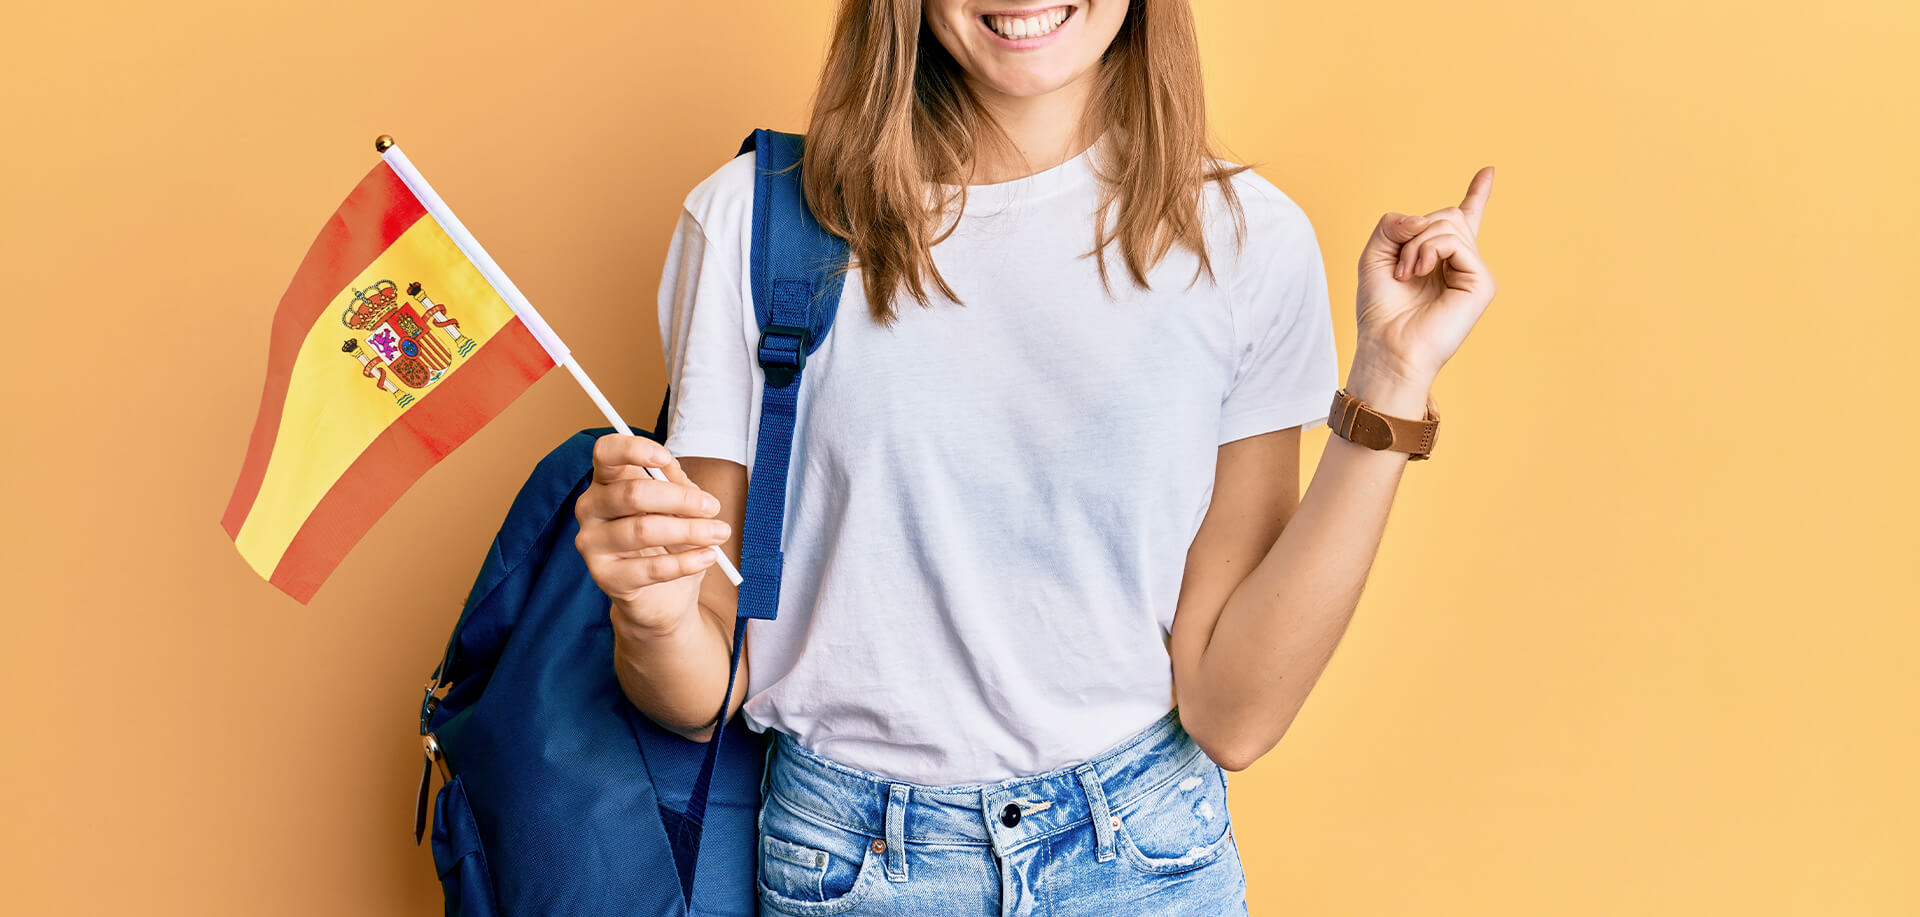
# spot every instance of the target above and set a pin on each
(558, 796)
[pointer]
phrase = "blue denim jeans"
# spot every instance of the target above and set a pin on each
(1140, 829)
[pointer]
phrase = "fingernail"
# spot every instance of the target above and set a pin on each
(718, 531)
(710, 503)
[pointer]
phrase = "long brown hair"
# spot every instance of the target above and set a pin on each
(892, 115)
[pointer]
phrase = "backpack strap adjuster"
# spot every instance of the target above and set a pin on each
(788, 355)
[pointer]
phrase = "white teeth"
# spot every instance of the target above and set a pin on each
(1017, 28)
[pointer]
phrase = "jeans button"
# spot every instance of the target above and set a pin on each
(1010, 815)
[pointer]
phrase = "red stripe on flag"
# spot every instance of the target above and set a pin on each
(434, 426)
(365, 225)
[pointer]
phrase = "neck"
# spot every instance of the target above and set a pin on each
(1045, 130)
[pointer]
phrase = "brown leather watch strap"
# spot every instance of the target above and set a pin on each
(1356, 421)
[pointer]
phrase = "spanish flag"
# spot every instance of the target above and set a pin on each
(397, 339)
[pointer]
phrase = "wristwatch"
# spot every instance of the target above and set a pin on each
(1355, 421)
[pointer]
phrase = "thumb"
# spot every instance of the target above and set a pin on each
(1393, 231)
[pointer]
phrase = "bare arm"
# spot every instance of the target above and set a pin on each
(1272, 582)
(645, 545)
(676, 677)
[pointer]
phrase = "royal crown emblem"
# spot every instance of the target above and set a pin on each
(403, 338)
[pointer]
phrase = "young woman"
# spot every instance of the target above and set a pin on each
(1045, 476)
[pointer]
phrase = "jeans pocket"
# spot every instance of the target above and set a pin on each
(808, 866)
(795, 870)
(1181, 824)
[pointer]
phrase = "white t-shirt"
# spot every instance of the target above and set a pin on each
(990, 504)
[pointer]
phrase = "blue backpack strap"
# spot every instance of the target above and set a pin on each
(797, 275)
(796, 280)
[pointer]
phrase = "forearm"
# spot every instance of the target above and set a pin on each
(1280, 625)
(677, 675)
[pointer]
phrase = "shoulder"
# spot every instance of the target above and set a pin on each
(1274, 221)
(722, 202)
(1275, 262)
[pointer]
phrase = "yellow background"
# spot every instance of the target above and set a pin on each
(1638, 641)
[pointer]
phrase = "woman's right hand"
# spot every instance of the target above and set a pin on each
(647, 543)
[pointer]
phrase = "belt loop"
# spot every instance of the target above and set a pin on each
(1097, 805)
(897, 795)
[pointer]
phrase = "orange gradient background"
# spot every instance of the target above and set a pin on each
(1638, 641)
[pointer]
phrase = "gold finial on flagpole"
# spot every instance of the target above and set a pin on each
(383, 143)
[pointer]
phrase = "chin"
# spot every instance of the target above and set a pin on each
(1026, 82)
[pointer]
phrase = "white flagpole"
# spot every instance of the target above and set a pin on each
(516, 301)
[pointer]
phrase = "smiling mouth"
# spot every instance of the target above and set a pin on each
(1029, 25)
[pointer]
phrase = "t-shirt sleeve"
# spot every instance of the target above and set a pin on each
(1288, 366)
(702, 339)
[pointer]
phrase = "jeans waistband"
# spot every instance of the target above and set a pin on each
(900, 810)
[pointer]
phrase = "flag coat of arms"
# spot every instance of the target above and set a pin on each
(397, 339)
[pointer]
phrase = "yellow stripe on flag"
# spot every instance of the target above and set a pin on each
(341, 410)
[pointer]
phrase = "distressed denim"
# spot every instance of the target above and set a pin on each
(1140, 829)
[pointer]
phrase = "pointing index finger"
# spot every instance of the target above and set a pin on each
(1475, 203)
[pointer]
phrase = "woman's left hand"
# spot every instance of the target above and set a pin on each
(1423, 286)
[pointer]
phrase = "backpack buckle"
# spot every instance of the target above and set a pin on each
(435, 692)
(789, 355)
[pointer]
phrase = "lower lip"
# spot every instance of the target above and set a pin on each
(1021, 44)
